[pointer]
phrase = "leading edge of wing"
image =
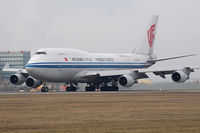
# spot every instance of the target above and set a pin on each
(108, 73)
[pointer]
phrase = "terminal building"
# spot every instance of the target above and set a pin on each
(15, 59)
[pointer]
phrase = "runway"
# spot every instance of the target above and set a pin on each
(96, 112)
(101, 92)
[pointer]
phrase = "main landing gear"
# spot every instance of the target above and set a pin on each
(104, 87)
(91, 87)
(109, 88)
(111, 85)
(71, 88)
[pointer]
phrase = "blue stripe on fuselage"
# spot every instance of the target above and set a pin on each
(143, 63)
(86, 65)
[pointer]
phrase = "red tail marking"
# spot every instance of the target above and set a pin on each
(151, 36)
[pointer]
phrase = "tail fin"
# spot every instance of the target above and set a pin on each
(146, 44)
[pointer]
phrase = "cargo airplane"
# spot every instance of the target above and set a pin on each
(99, 70)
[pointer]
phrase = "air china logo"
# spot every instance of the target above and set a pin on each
(151, 36)
(66, 59)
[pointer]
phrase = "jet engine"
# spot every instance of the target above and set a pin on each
(126, 80)
(17, 79)
(33, 83)
(180, 76)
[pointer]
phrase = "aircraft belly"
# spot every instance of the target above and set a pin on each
(60, 74)
(52, 74)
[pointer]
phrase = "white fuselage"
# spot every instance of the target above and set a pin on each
(62, 64)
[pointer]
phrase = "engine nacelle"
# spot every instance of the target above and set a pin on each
(126, 80)
(17, 79)
(179, 77)
(33, 83)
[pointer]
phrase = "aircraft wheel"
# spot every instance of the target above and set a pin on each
(115, 88)
(90, 88)
(44, 89)
(71, 89)
(109, 88)
(104, 88)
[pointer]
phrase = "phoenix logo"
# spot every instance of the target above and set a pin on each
(66, 59)
(151, 36)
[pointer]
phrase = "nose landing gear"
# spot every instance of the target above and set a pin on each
(44, 87)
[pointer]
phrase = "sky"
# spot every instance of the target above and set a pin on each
(108, 26)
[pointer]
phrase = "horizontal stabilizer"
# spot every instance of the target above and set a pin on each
(170, 58)
(7, 68)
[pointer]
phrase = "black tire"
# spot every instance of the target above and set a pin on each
(90, 88)
(71, 89)
(109, 88)
(115, 88)
(44, 89)
(87, 88)
(104, 88)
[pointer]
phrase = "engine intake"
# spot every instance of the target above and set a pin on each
(179, 77)
(33, 83)
(17, 79)
(126, 80)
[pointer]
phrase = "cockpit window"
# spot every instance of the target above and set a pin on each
(38, 53)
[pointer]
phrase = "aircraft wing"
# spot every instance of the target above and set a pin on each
(163, 71)
(141, 73)
(17, 70)
(111, 73)
(88, 74)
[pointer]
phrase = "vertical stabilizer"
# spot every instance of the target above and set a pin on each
(146, 43)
